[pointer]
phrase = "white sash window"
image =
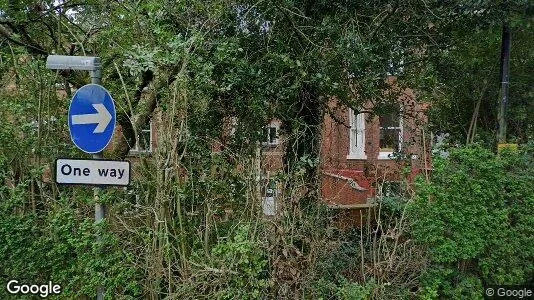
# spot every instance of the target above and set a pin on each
(356, 136)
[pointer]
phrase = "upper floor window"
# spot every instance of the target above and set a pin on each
(390, 133)
(270, 134)
(144, 140)
(356, 136)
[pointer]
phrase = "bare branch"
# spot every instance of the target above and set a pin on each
(31, 48)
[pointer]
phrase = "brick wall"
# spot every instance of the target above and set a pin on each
(366, 172)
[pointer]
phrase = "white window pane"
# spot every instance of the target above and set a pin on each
(356, 135)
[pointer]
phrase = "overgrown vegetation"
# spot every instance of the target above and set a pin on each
(474, 220)
(191, 225)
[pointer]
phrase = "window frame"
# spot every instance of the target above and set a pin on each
(267, 142)
(135, 149)
(269, 196)
(389, 154)
(356, 135)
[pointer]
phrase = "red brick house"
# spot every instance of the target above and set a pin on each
(364, 148)
(362, 155)
(359, 152)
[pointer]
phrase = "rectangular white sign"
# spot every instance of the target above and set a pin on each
(92, 172)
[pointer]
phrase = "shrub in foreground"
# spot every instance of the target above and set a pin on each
(475, 219)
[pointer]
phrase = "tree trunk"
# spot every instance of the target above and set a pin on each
(304, 131)
(505, 80)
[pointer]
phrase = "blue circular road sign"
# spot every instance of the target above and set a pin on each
(92, 118)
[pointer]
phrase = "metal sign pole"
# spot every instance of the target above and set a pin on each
(82, 112)
(100, 208)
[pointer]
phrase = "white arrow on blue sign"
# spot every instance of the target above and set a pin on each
(92, 118)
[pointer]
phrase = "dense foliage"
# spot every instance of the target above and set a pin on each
(191, 224)
(474, 217)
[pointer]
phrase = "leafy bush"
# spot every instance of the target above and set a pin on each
(475, 218)
(342, 289)
(248, 262)
(60, 246)
(236, 268)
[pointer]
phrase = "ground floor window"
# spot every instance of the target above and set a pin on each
(269, 194)
(144, 140)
